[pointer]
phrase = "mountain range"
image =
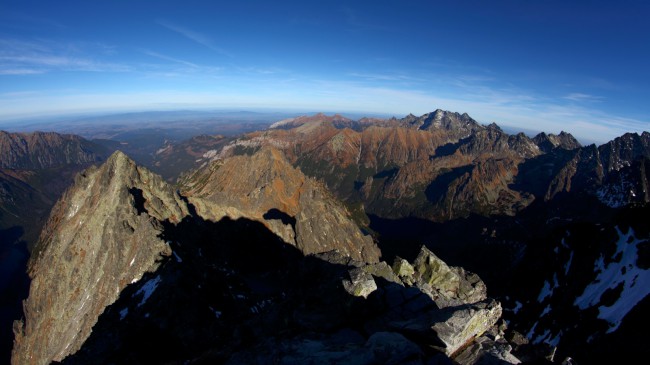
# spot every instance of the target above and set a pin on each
(324, 236)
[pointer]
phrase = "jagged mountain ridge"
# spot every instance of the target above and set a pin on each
(40, 150)
(35, 169)
(390, 165)
(105, 233)
(369, 161)
(489, 158)
(101, 236)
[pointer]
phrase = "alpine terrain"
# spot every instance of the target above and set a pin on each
(428, 239)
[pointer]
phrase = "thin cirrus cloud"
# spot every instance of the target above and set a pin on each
(169, 58)
(580, 97)
(18, 57)
(193, 36)
(20, 71)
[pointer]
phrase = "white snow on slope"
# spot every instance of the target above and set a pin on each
(615, 195)
(178, 258)
(147, 289)
(547, 289)
(568, 264)
(636, 282)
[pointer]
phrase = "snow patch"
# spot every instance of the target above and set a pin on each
(517, 307)
(178, 258)
(281, 123)
(123, 313)
(542, 338)
(567, 266)
(545, 311)
(161, 150)
(547, 289)
(555, 341)
(531, 333)
(216, 312)
(147, 289)
(616, 195)
(210, 154)
(73, 210)
(636, 282)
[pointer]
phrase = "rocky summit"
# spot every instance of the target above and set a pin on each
(266, 188)
(102, 235)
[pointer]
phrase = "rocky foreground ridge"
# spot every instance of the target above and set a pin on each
(35, 169)
(129, 270)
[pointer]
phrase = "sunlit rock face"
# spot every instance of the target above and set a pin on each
(101, 236)
(265, 187)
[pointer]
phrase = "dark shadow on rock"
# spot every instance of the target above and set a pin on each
(282, 216)
(138, 200)
(388, 173)
(14, 285)
(233, 288)
(439, 186)
(465, 242)
(447, 149)
(227, 284)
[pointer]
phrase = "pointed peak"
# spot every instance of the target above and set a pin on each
(494, 126)
(119, 157)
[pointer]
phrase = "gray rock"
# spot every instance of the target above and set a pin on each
(435, 272)
(447, 286)
(384, 271)
(484, 351)
(403, 268)
(465, 324)
(450, 329)
(360, 284)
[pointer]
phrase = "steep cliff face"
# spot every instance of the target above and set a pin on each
(265, 187)
(619, 152)
(35, 169)
(40, 150)
(101, 236)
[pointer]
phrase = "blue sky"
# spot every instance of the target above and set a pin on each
(578, 66)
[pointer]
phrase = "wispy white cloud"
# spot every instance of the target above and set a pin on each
(193, 36)
(263, 70)
(580, 97)
(177, 68)
(382, 76)
(20, 71)
(30, 57)
(168, 58)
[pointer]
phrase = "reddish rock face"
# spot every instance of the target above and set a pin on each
(265, 187)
